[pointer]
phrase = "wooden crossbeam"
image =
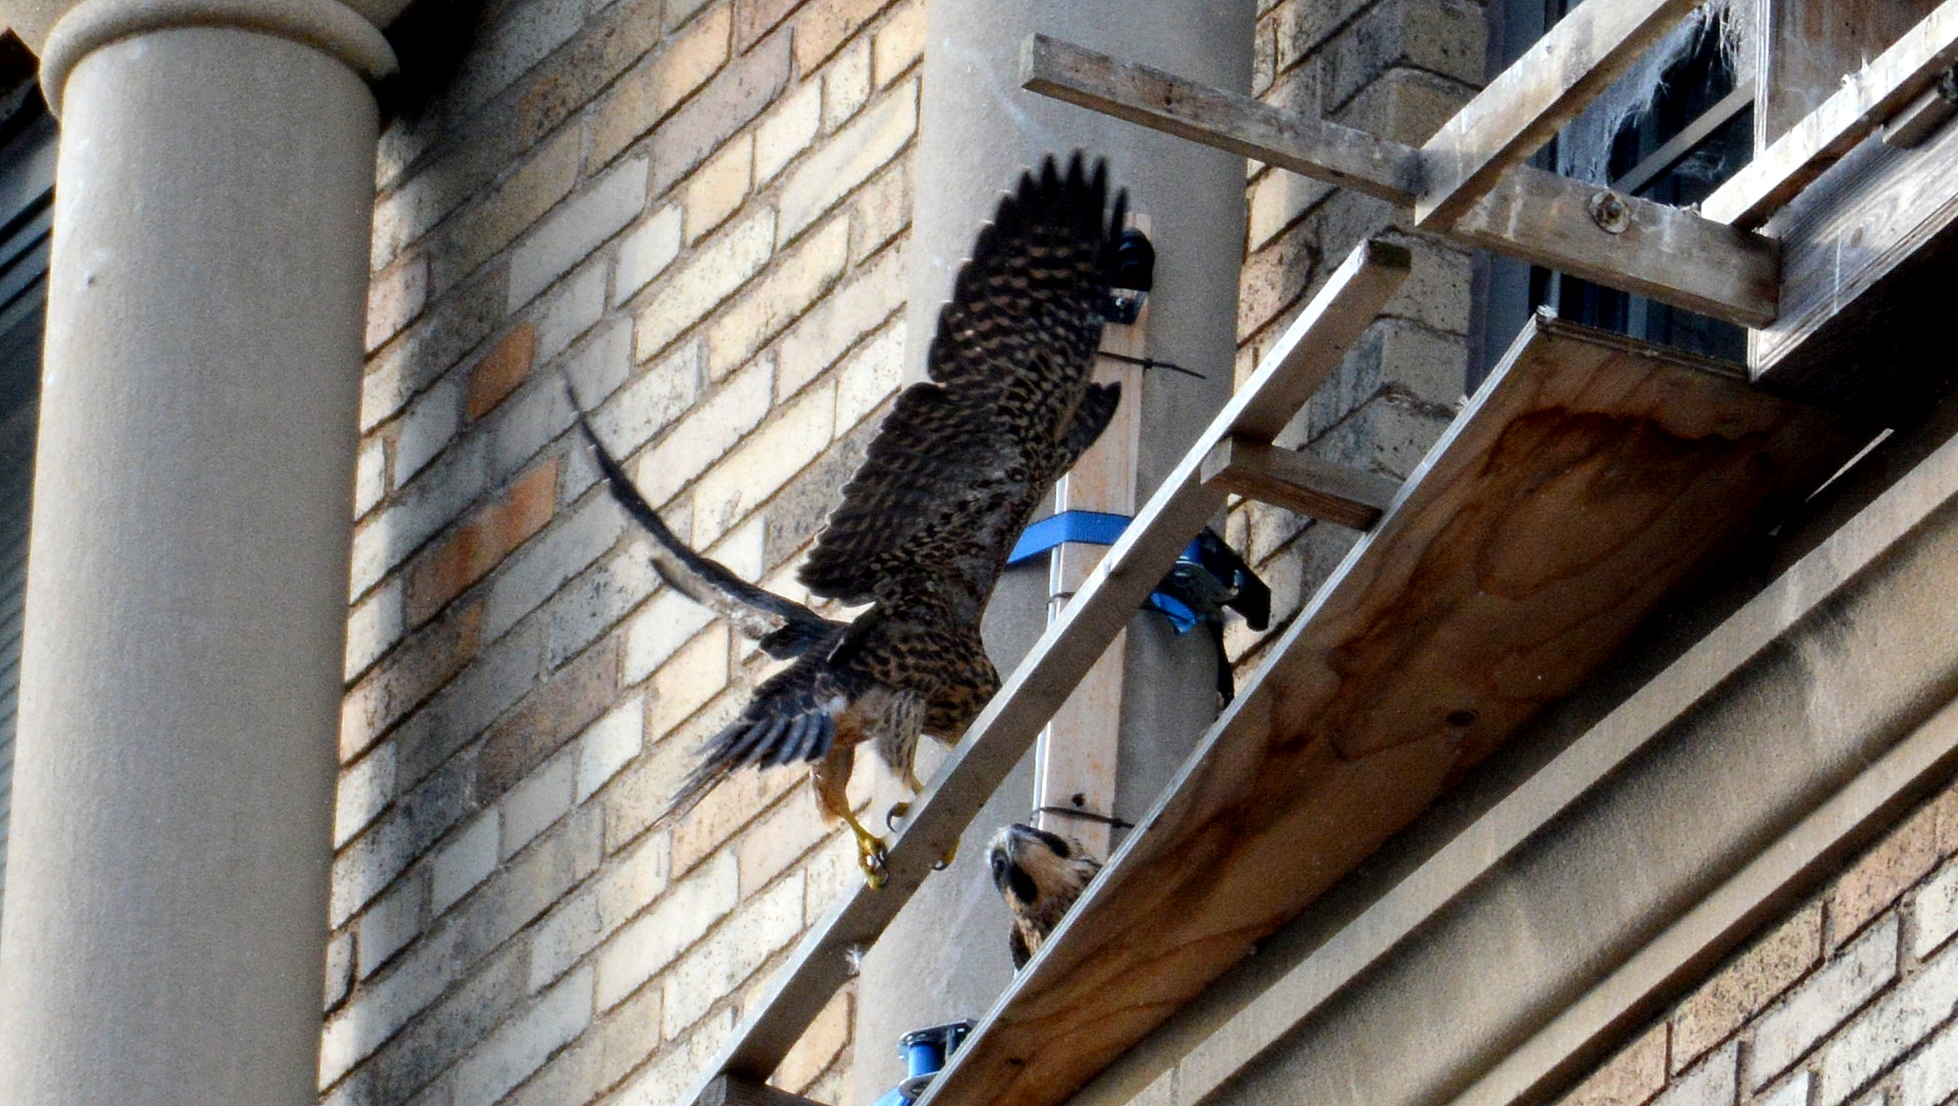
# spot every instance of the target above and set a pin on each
(1634, 245)
(1303, 358)
(1867, 98)
(733, 1090)
(1526, 105)
(1298, 482)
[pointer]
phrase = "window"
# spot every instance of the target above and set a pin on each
(1671, 130)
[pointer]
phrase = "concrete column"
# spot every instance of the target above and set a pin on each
(946, 955)
(167, 881)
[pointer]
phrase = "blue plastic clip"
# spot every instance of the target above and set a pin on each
(1100, 528)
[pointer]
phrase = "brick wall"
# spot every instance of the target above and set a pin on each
(1398, 68)
(1848, 1000)
(698, 212)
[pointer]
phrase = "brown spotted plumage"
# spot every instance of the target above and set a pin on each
(923, 532)
(1039, 874)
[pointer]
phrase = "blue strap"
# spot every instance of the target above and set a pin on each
(1099, 528)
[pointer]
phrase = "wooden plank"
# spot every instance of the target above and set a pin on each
(1926, 115)
(1864, 100)
(1673, 256)
(732, 1090)
(1686, 141)
(1807, 46)
(1077, 755)
(1298, 482)
(1588, 479)
(1315, 148)
(1309, 349)
(1658, 251)
(1530, 101)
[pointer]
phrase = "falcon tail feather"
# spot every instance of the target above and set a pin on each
(782, 627)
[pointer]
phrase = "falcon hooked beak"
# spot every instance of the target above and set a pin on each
(1039, 874)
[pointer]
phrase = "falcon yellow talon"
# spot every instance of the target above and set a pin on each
(891, 816)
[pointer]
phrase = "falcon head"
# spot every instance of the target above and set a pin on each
(1039, 874)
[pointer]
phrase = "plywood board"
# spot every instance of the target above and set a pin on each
(1812, 44)
(1590, 477)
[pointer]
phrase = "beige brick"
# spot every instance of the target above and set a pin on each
(899, 44)
(728, 807)
(609, 744)
(764, 924)
(1746, 986)
(628, 885)
(755, 18)
(1883, 874)
(788, 130)
(1893, 1025)
(730, 101)
(1628, 1079)
(478, 233)
(862, 304)
(1936, 912)
(394, 298)
(711, 275)
(881, 211)
(576, 228)
(339, 970)
(848, 159)
(819, 1044)
(780, 839)
(1814, 1010)
(540, 800)
(363, 791)
(650, 404)
(647, 251)
(870, 376)
(465, 861)
(796, 280)
(1931, 1077)
(832, 872)
(1277, 200)
(666, 1080)
(384, 696)
(521, 1045)
(825, 27)
(689, 679)
(706, 433)
(643, 793)
(682, 916)
(659, 630)
(616, 36)
(1714, 1083)
(374, 627)
(754, 472)
(370, 476)
(1947, 805)
(657, 85)
(846, 84)
(718, 188)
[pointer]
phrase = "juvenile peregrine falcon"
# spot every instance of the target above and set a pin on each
(954, 474)
(1039, 874)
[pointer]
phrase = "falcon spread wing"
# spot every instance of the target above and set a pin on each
(954, 474)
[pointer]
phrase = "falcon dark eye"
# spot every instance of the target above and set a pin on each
(1055, 842)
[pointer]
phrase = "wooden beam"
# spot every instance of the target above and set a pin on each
(1926, 115)
(1298, 482)
(1316, 148)
(1303, 357)
(733, 1090)
(1686, 141)
(1589, 478)
(1866, 99)
(1527, 103)
(1673, 256)
(1633, 245)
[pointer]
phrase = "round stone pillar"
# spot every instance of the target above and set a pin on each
(172, 796)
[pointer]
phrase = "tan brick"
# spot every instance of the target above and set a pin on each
(793, 282)
(549, 716)
(741, 91)
(728, 807)
(846, 84)
(779, 450)
(1274, 278)
(824, 28)
(422, 665)
(1746, 986)
(689, 679)
(659, 630)
(848, 159)
(1883, 874)
(870, 376)
(788, 130)
(644, 792)
(1947, 805)
(717, 190)
(647, 251)
(1278, 199)
(706, 433)
(657, 85)
(711, 275)
(613, 39)
(899, 44)
(1628, 1079)
(656, 938)
(871, 296)
(480, 232)
(506, 366)
(785, 836)
(755, 18)
(731, 954)
(881, 212)
(819, 1045)
(394, 298)
(465, 556)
